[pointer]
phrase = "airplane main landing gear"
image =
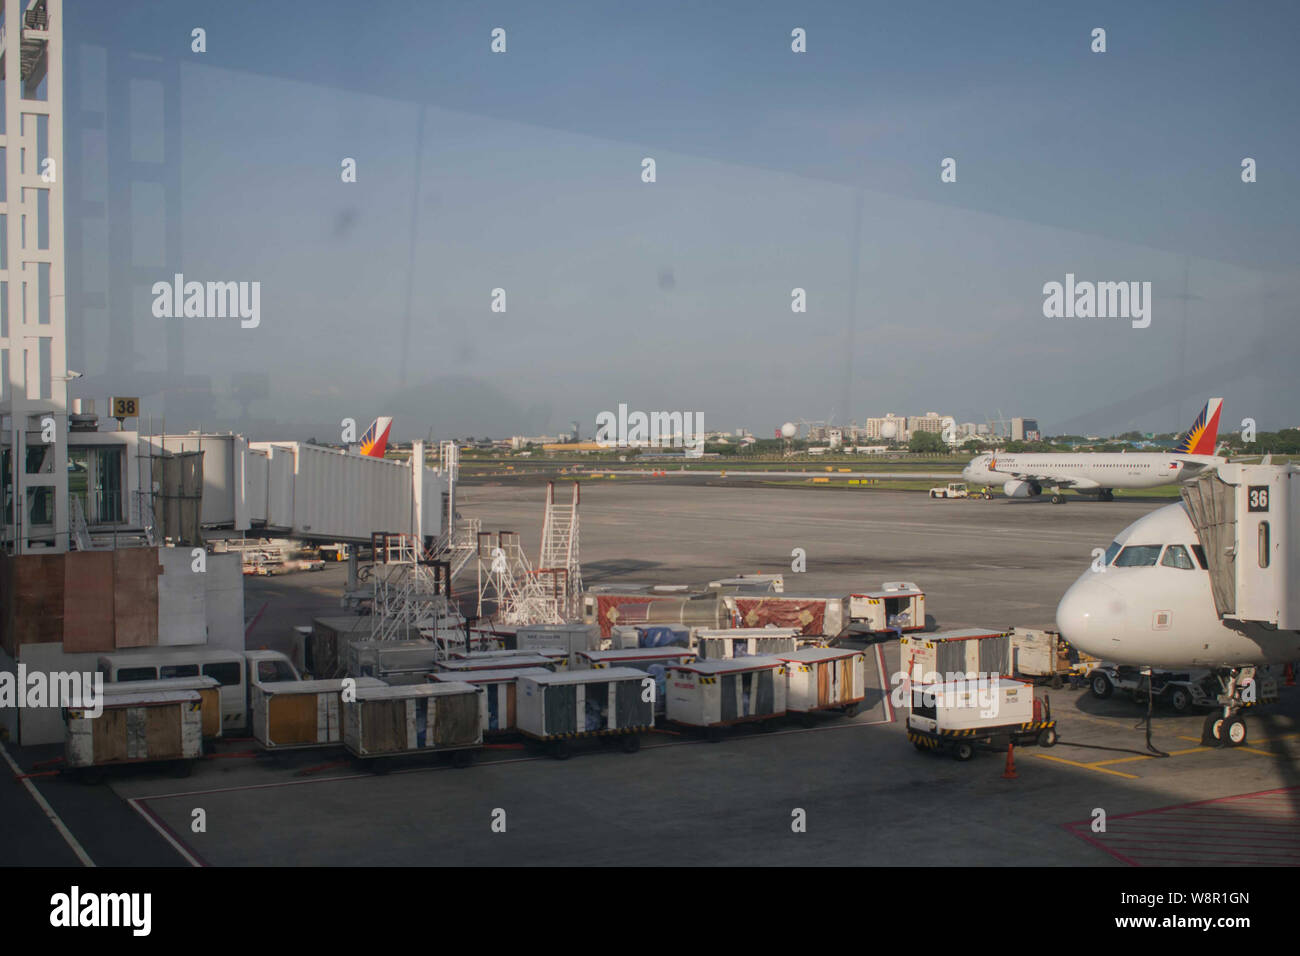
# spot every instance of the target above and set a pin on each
(1058, 499)
(1226, 727)
(1106, 495)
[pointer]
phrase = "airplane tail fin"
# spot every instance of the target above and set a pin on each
(375, 441)
(1200, 439)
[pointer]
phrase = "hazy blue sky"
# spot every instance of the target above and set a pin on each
(775, 170)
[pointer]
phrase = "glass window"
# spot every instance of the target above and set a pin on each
(1176, 556)
(269, 672)
(137, 673)
(179, 670)
(1112, 551)
(1138, 556)
(225, 674)
(1200, 557)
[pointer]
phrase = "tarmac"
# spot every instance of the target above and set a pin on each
(849, 791)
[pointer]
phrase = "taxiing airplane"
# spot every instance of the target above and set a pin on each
(1099, 473)
(375, 441)
(1150, 602)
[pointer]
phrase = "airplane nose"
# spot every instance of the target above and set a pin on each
(1092, 616)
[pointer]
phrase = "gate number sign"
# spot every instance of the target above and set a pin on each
(126, 408)
(1257, 498)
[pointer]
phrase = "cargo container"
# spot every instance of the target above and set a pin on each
(813, 616)
(146, 727)
(970, 650)
(499, 702)
(305, 713)
(654, 661)
(897, 605)
(570, 638)
(1041, 656)
(732, 642)
(415, 718)
(208, 689)
(956, 717)
(393, 662)
(325, 653)
(715, 694)
(652, 606)
(751, 584)
(610, 701)
(494, 661)
(649, 635)
(823, 678)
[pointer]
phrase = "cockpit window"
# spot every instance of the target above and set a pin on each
(1200, 556)
(1138, 556)
(1176, 556)
(1112, 551)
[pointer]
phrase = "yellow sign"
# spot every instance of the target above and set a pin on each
(125, 407)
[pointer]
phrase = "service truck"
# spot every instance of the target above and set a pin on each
(956, 717)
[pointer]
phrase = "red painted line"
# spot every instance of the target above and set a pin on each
(307, 771)
(1088, 838)
(503, 746)
(33, 776)
(162, 824)
(48, 763)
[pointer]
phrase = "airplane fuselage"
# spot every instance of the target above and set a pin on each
(1087, 472)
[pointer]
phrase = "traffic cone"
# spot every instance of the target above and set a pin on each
(1289, 672)
(1010, 772)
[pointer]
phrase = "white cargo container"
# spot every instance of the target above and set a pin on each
(499, 703)
(570, 638)
(392, 661)
(716, 694)
(728, 642)
(302, 713)
(414, 718)
(970, 650)
(897, 604)
(824, 678)
(490, 660)
(1039, 654)
(144, 727)
(956, 716)
(556, 708)
(654, 661)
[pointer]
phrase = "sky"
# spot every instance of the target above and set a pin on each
(775, 170)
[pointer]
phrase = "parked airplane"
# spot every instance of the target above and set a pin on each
(1149, 602)
(1099, 473)
(375, 441)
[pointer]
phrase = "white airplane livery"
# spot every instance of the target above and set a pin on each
(1026, 475)
(1150, 601)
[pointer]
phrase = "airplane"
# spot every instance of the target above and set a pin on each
(1149, 602)
(375, 441)
(1099, 473)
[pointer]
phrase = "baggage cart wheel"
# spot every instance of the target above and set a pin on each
(852, 710)
(1056, 683)
(631, 743)
(561, 750)
(1048, 737)
(1101, 685)
(963, 751)
(1180, 701)
(460, 759)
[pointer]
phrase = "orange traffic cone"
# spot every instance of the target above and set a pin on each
(1010, 772)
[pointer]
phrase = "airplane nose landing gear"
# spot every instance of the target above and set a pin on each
(1226, 727)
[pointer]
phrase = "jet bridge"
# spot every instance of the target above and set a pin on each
(1248, 520)
(304, 491)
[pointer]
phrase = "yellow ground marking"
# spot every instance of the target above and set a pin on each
(1086, 766)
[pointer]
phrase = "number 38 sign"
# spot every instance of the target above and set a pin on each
(126, 407)
(1257, 498)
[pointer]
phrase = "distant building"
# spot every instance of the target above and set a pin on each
(1023, 428)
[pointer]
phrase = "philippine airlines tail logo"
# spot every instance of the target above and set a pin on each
(375, 441)
(1201, 437)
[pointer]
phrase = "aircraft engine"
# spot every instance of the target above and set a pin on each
(1015, 488)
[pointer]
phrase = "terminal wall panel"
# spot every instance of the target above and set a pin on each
(224, 602)
(88, 601)
(182, 598)
(135, 597)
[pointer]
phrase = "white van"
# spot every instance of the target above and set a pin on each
(235, 671)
